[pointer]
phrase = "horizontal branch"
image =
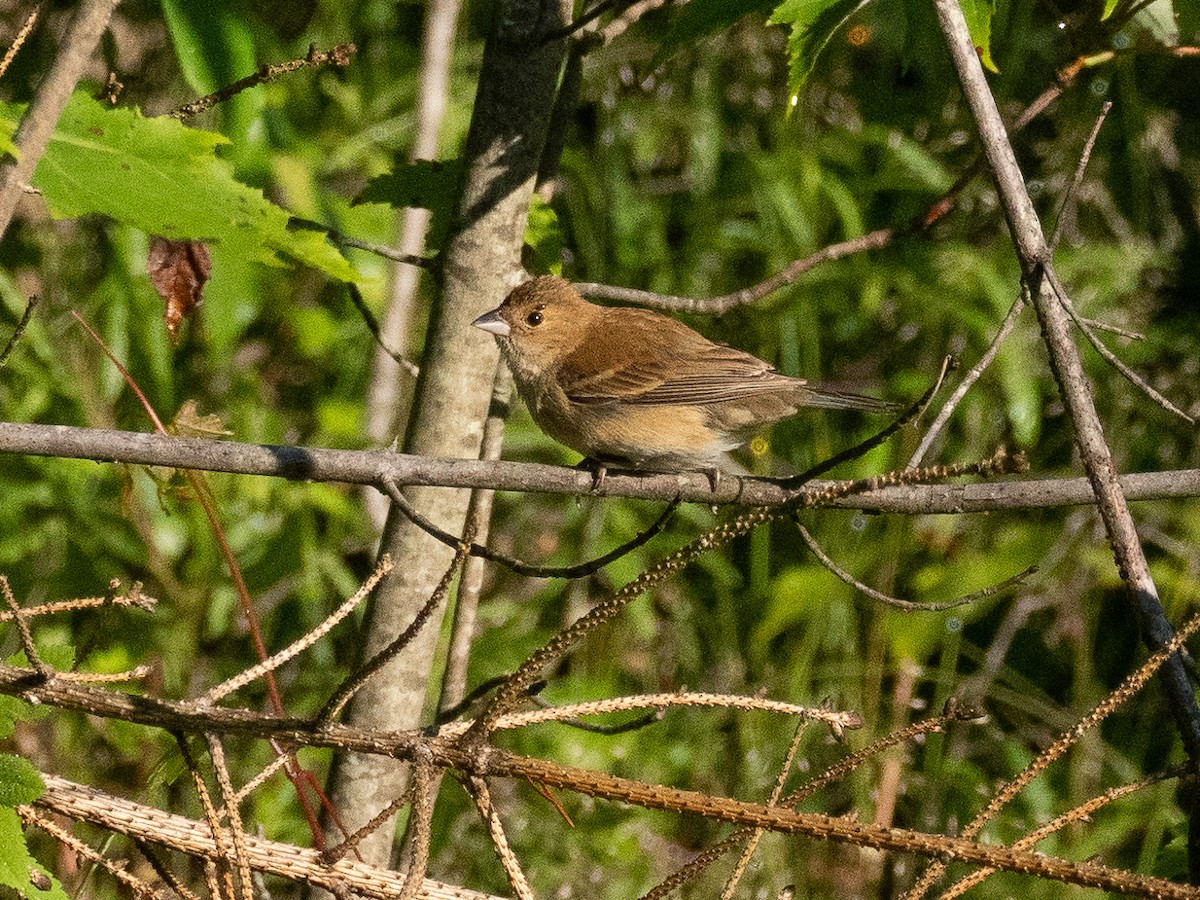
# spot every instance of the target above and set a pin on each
(495, 762)
(376, 467)
(77, 801)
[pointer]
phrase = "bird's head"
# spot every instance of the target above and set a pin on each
(540, 322)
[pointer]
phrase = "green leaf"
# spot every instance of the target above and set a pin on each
(543, 239)
(812, 23)
(162, 178)
(702, 19)
(979, 14)
(20, 782)
(1109, 7)
(429, 184)
(16, 864)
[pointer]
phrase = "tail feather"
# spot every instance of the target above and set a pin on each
(827, 399)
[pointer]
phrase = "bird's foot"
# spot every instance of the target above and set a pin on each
(598, 469)
(714, 478)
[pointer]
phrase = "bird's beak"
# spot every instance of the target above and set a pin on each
(491, 321)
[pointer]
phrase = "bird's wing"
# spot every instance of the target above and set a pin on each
(691, 371)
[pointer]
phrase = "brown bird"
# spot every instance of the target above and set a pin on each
(633, 387)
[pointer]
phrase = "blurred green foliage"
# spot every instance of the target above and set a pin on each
(693, 177)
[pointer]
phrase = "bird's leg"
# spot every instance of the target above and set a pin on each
(714, 478)
(598, 469)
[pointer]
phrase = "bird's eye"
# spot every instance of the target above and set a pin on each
(534, 318)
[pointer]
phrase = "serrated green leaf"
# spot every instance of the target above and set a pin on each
(812, 23)
(162, 178)
(429, 184)
(978, 14)
(20, 782)
(16, 863)
(702, 19)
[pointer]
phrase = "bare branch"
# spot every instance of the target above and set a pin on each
(745, 296)
(379, 467)
(337, 57)
(1035, 259)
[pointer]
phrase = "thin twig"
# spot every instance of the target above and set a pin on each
(478, 789)
(162, 870)
(632, 13)
(579, 570)
(11, 53)
(45, 672)
(861, 449)
(423, 797)
(908, 605)
(837, 720)
(372, 324)
(969, 379)
(1113, 360)
(367, 670)
(332, 854)
(116, 869)
(30, 305)
(578, 24)
(216, 832)
(1084, 158)
(785, 770)
(134, 597)
(216, 753)
(255, 672)
(338, 57)
(745, 296)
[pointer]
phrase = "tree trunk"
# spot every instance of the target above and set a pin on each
(481, 262)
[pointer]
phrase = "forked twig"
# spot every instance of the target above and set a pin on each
(1111, 358)
(25, 633)
(1127, 689)
(1077, 814)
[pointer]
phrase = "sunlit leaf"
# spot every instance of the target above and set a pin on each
(812, 23)
(163, 178)
(979, 14)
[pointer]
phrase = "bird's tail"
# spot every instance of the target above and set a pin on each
(826, 399)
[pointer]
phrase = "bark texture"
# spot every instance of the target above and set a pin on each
(481, 262)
